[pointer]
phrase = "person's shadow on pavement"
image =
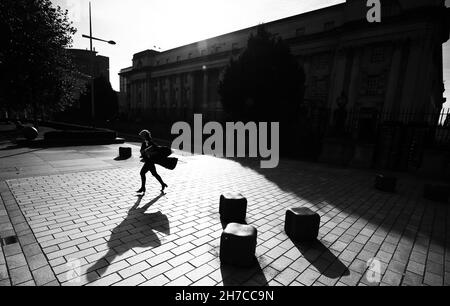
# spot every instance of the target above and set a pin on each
(121, 240)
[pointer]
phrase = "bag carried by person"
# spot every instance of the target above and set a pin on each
(157, 152)
(169, 163)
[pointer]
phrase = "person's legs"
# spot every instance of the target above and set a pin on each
(152, 170)
(144, 170)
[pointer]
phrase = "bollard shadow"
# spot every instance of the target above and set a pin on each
(119, 158)
(236, 276)
(121, 239)
(319, 256)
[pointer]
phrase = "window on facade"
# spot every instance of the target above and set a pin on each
(377, 55)
(167, 60)
(328, 25)
(178, 58)
(373, 85)
(203, 52)
(322, 62)
(300, 31)
(190, 55)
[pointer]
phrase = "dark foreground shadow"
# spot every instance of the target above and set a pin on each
(322, 259)
(235, 276)
(320, 183)
(136, 223)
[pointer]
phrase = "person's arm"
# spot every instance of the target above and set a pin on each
(142, 149)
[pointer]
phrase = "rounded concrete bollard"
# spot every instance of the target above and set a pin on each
(302, 224)
(232, 208)
(124, 152)
(238, 245)
(385, 183)
(30, 133)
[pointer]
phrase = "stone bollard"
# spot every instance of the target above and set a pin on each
(232, 208)
(30, 133)
(302, 224)
(238, 245)
(124, 152)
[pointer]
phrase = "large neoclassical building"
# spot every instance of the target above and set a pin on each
(386, 67)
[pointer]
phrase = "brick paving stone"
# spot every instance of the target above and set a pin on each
(20, 275)
(392, 278)
(3, 272)
(416, 267)
(132, 281)
(12, 249)
(36, 261)
(106, 281)
(160, 280)
(308, 277)
(178, 271)
(43, 275)
(156, 270)
(134, 269)
(16, 261)
(200, 272)
(412, 279)
(181, 281)
(208, 281)
(432, 279)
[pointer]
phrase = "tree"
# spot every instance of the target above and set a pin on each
(35, 70)
(265, 83)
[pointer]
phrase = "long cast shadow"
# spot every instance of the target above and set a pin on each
(234, 276)
(121, 240)
(322, 259)
(311, 182)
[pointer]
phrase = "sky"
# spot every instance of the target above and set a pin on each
(137, 25)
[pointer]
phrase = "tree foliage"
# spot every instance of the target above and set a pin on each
(265, 83)
(35, 70)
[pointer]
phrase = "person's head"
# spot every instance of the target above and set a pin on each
(145, 134)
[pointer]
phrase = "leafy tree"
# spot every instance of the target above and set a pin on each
(35, 70)
(265, 83)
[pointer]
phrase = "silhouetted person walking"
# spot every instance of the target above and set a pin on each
(148, 150)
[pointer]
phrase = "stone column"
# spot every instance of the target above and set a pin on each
(205, 90)
(411, 76)
(354, 79)
(394, 77)
(337, 77)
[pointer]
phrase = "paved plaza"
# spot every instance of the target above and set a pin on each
(78, 221)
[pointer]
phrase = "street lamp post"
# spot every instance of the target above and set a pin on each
(91, 38)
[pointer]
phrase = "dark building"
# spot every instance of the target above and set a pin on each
(383, 67)
(83, 61)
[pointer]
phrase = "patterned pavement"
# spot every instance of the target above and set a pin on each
(90, 228)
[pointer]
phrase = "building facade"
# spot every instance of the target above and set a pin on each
(380, 67)
(83, 59)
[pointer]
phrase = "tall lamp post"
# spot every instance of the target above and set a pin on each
(91, 38)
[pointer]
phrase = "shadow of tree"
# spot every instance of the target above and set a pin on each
(322, 259)
(121, 239)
